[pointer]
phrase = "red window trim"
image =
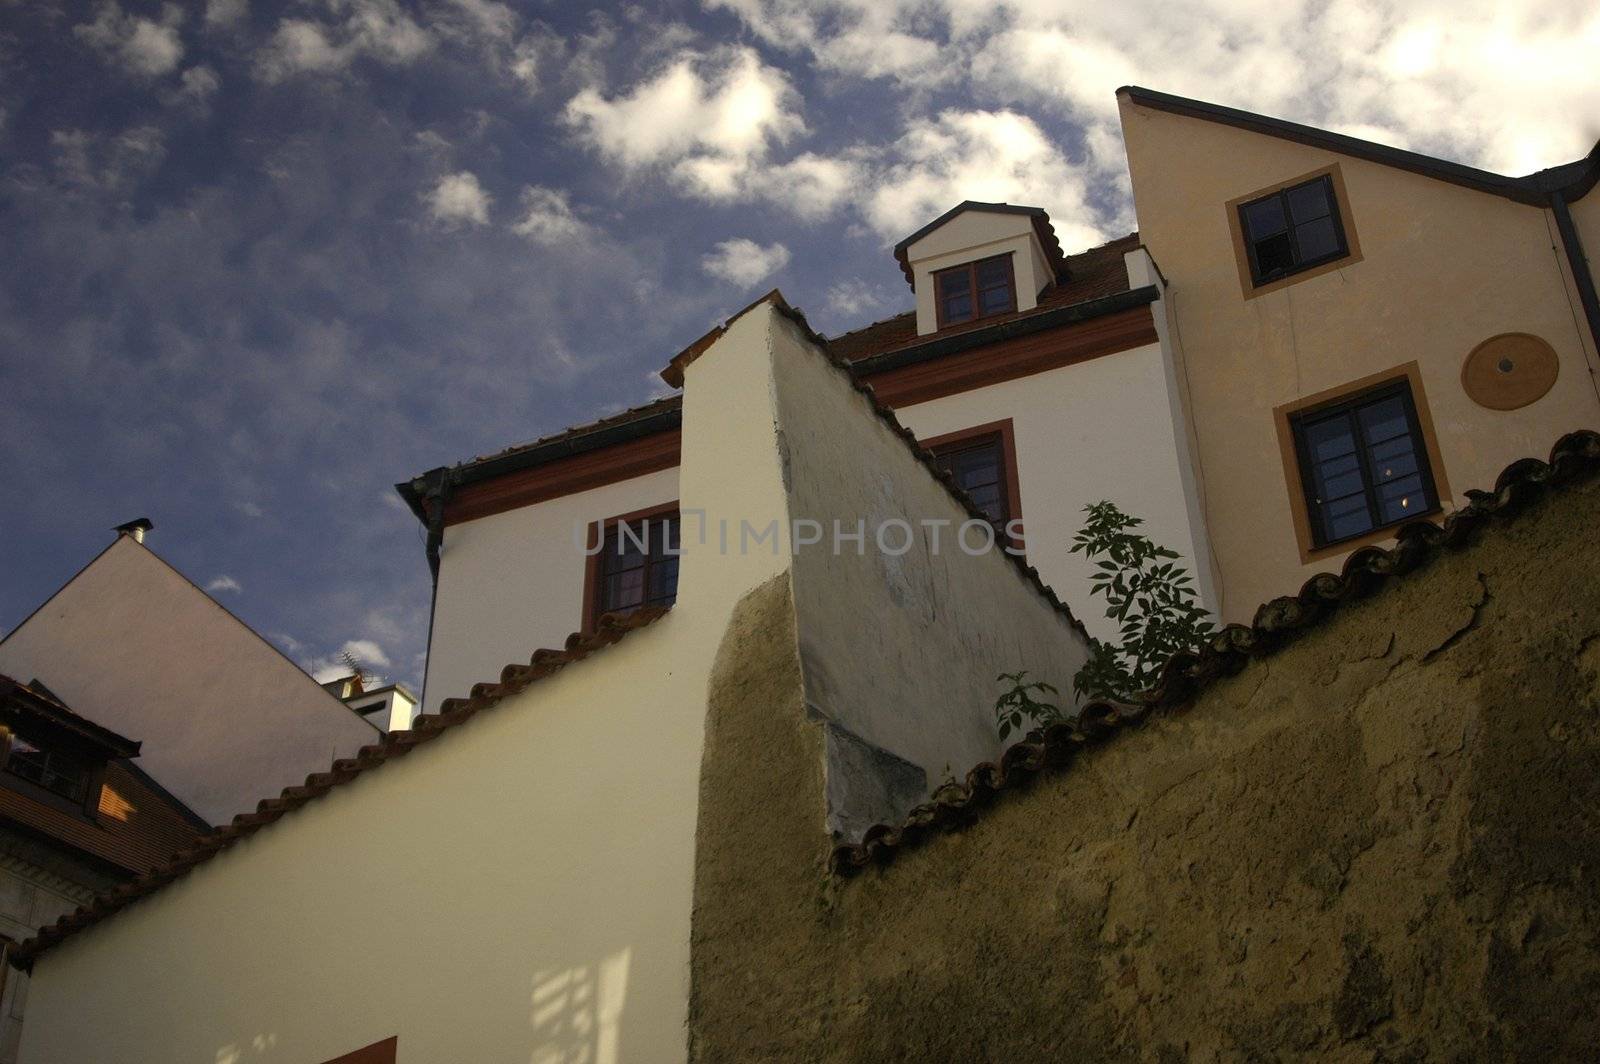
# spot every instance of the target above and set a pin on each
(971, 270)
(591, 568)
(1008, 457)
(377, 1053)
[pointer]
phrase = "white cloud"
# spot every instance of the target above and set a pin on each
(711, 118)
(224, 583)
(226, 12)
(998, 156)
(486, 18)
(864, 38)
(854, 298)
(249, 509)
(744, 262)
(197, 85)
(376, 29)
(458, 199)
(141, 46)
(90, 161)
(1511, 88)
(547, 217)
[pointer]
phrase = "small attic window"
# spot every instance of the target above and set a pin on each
(975, 290)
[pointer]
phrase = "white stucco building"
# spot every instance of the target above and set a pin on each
(1043, 381)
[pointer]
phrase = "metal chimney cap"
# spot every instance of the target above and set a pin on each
(135, 528)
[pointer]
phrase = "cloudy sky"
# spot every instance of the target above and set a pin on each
(262, 260)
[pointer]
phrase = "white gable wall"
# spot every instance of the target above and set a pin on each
(973, 235)
(225, 718)
(512, 582)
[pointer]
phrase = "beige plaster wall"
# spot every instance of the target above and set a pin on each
(225, 718)
(1444, 268)
(1377, 844)
(517, 890)
(901, 637)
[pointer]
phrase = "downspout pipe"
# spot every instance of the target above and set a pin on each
(1579, 263)
(434, 491)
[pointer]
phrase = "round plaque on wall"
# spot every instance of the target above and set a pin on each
(1510, 371)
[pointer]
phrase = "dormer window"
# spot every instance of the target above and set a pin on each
(975, 290)
(57, 772)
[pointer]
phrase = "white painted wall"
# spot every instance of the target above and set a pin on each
(519, 890)
(974, 235)
(225, 719)
(513, 582)
(1101, 429)
(901, 640)
(391, 710)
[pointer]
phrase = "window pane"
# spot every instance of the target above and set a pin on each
(979, 470)
(993, 272)
(623, 591)
(1384, 419)
(1364, 465)
(1309, 201)
(958, 308)
(1330, 439)
(1263, 218)
(1317, 239)
(1346, 517)
(952, 282)
(995, 300)
(1403, 498)
(1274, 255)
(664, 581)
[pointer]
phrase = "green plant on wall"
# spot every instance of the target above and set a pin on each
(1151, 599)
(1017, 703)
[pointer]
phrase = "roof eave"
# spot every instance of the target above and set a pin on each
(1528, 190)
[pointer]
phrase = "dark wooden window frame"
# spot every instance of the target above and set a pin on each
(1290, 415)
(1343, 214)
(591, 572)
(1005, 433)
(971, 270)
(94, 783)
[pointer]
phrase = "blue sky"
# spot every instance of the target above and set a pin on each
(265, 259)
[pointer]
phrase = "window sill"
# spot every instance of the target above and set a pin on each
(1367, 539)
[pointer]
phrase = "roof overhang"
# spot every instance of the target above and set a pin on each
(1570, 181)
(29, 701)
(1043, 230)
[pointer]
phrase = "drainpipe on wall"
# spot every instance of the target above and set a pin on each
(1579, 263)
(435, 493)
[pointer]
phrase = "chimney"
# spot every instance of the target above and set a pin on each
(135, 528)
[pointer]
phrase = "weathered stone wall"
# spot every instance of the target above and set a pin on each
(1379, 843)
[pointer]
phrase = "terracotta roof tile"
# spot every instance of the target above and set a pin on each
(1575, 457)
(452, 713)
(1092, 274)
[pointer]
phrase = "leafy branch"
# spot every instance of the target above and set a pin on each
(1151, 599)
(1017, 703)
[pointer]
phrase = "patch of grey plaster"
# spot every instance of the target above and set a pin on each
(1472, 622)
(867, 785)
